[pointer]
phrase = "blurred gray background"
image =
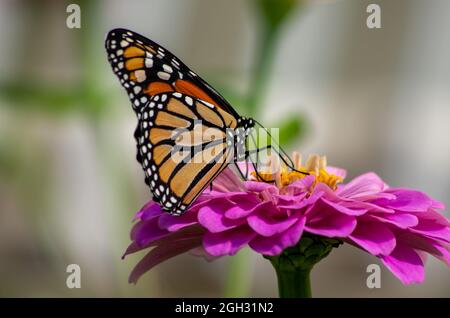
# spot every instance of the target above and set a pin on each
(371, 100)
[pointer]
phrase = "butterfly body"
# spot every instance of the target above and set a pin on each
(187, 133)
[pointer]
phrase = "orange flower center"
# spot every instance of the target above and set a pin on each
(282, 176)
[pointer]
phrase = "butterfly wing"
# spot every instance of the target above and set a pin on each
(146, 69)
(182, 121)
(183, 146)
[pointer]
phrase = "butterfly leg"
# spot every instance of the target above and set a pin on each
(246, 165)
(240, 171)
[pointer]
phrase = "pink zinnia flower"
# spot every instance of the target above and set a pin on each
(397, 225)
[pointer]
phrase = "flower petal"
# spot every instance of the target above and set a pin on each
(275, 244)
(301, 203)
(401, 220)
(267, 224)
(237, 212)
(173, 223)
(439, 250)
(254, 186)
(406, 200)
(228, 242)
(343, 209)
(364, 186)
(432, 228)
(148, 211)
(227, 181)
(147, 231)
(161, 253)
(405, 263)
(302, 184)
(326, 221)
(375, 238)
(212, 216)
(438, 205)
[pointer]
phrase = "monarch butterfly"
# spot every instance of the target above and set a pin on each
(172, 102)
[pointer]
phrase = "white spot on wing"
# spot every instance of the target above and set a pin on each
(148, 63)
(189, 100)
(167, 68)
(140, 75)
(163, 75)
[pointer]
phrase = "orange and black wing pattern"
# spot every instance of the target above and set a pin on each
(145, 69)
(183, 146)
(182, 122)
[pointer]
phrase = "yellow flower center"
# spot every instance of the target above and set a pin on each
(282, 176)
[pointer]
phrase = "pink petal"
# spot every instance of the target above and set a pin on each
(438, 250)
(228, 181)
(148, 211)
(343, 209)
(144, 232)
(326, 221)
(438, 205)
(302, 184)
(405, 263)
(212, 216)
(213, 195)
(284, 200)
(401, 220)
(275, 244)
(353, 204)
(227, 243)
(161, 253)
(363, 186)
(267, 223)
(406, 200)
(435, 217)
(237, 212)
(174, 223)
(433, 229)
(368, 206)
(375, 238)
(254, 186)
(301, 203)
(185, 233)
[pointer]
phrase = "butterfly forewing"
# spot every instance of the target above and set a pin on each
(145, 69)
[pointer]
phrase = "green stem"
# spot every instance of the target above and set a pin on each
(293, 266)
(294, 284)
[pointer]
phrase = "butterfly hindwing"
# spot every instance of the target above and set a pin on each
(183, 145)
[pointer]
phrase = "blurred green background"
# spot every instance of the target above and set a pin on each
(69, 183)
